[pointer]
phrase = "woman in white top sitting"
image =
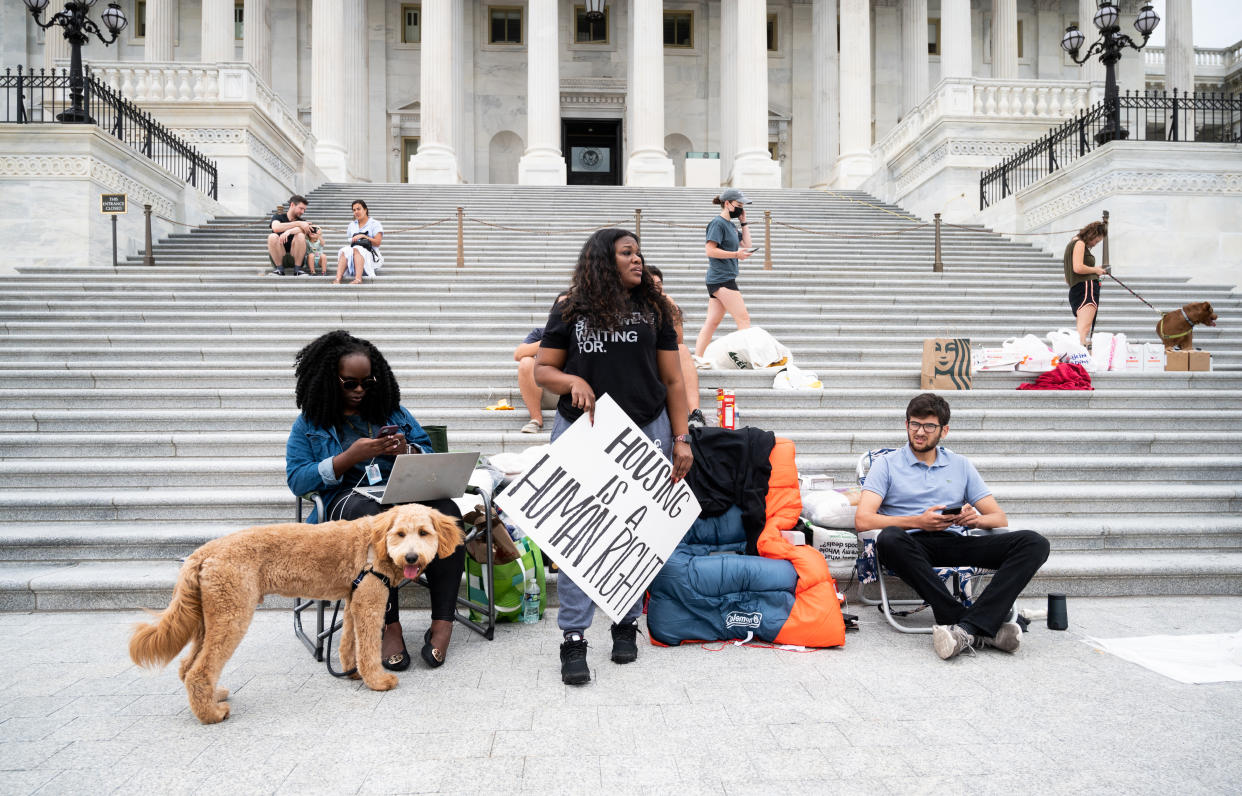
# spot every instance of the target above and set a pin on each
(362, 254)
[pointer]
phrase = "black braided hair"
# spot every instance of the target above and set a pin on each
(596, 293)
(318, 392)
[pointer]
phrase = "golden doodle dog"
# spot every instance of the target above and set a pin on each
(1176, 328)
(222, 582)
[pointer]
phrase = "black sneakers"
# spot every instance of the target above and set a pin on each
(574, 669)
(624, 644)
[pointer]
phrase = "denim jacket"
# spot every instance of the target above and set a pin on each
(310, 450)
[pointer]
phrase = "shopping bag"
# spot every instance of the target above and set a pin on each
(1108, 351)
(509, 582)
(1154, 356)
(747, 349)
(1067, 348)
(1033, 356)
(946, 363)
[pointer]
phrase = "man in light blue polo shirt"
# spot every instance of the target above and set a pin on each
(925, 497)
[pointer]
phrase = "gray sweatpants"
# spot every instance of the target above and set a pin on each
(577, 609)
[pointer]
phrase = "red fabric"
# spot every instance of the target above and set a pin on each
(1065, 376)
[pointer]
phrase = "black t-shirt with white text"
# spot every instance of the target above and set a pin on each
(621, 362)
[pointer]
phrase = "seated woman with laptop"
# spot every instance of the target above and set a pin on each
(351, 429)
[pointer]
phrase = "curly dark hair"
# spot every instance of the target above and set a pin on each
(318, 392)
(928, 403)
(596, 295)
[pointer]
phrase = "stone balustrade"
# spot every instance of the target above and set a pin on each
(146, 82)
(1049, 101)
(1216, 59)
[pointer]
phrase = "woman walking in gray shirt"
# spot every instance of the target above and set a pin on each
(725, 248)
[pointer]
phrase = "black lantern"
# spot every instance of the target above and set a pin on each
(594, 10)
(1109, 46)
(77, 27)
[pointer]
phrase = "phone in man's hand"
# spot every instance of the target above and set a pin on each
(388, 431)
(951, 511)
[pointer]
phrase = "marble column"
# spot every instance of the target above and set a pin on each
(1005, 39)
(648, 163)
(824, 77)
(1179, 58)
(161, 30)
(218, 40)
(543, 163)
(436, 161)
(913, 54)
(357, 88)
(728, 89)
(854, 164)
(955, 39)
(257, 38)
(328, 88)
(753, 166)
(1092, 70)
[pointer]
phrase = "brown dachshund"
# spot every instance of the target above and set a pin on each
(1176, 328)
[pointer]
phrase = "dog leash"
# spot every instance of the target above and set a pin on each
(1132, 293)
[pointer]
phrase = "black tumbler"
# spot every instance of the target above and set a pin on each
(1057, 617)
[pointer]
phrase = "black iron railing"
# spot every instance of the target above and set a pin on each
(1150, 115)
(31, 97)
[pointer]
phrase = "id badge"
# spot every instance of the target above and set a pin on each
(373, 474)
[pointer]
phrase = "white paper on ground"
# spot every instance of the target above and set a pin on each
(1214, 658)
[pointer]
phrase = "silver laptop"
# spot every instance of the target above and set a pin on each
(424, 476)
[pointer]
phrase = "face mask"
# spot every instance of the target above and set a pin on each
(735, 212)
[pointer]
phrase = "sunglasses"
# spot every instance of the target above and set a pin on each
(349, 385)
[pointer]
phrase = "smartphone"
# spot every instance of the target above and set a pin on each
(951, 510)
(751, 250)
(388, 431)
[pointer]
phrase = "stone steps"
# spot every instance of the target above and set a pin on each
(145, 410)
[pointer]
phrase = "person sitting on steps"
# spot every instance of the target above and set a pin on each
(286, 244)
(905, 493)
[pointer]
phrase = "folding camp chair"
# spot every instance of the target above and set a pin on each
(320, 644)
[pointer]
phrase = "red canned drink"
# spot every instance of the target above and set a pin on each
(725, 409)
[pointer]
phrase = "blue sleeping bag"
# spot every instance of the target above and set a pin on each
(709, 591)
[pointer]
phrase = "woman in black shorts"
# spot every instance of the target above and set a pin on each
(725, 248)
(1083, 277)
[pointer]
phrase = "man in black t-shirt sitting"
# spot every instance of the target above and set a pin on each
(287, 243)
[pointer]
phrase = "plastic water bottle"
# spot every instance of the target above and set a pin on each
(530, 602)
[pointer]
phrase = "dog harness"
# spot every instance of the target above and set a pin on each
(1190, 325)
(369, 571)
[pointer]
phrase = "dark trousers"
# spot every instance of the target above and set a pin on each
(443, 574)
(1016, 556)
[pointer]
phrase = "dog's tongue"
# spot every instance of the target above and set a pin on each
(411, 572)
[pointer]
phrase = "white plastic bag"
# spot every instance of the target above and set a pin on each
(747, 349)
(1065, 345)
(794, 378)
(828, 508)
(1033, 355)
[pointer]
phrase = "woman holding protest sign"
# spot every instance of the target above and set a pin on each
(612, 332)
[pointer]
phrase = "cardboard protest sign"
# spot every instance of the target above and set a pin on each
(946, 363)
(601, 505)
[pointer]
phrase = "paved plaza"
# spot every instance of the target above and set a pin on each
(881, 715)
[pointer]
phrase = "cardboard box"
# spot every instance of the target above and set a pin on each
(1198, 360)
(946, 364)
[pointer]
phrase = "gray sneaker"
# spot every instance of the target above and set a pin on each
(950, 640)
(1007, 639)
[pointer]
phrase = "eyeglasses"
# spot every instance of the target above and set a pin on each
(349, 385)
(930, 428)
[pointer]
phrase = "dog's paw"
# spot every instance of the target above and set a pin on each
(222, 694)
(384, 682)
(214, 714)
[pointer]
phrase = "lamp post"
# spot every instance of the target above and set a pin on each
(1109, 46)
(77, 26)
